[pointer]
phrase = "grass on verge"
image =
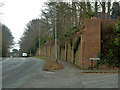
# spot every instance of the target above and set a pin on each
(50, 64)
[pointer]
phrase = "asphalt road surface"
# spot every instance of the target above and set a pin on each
(28, 73)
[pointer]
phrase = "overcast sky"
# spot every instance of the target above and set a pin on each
(17, 13)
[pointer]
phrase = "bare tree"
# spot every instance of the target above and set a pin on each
(7, 41)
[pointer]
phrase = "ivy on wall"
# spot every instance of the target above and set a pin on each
(111, 43)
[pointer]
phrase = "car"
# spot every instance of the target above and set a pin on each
(24, 54)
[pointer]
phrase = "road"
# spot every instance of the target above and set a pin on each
(28, 73)
(16, 72)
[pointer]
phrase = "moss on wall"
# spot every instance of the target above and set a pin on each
(78, 57)
(69, 55)
(62, 54)
(52, 51)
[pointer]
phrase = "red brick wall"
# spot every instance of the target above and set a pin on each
(90, 42)
(90, 45)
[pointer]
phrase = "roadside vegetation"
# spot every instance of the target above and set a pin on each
(50, 64)
(7, 41)
(6, 38)
(69, 21)
(111, 45)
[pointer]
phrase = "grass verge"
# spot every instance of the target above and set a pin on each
(50, 64)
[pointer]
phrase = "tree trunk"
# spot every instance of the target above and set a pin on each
(103, 6)
(109, 4)
(49, 50)
(96, 6)
(72, 13)
(75, 12)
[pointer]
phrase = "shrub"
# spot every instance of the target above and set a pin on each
(111, 44)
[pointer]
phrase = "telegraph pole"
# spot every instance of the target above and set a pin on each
(55, 36)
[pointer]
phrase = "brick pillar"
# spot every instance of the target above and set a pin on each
(66, 48)
(82, 48)
(92, 43)
(41, 51)
(49, 50)
(81, 63)
(44, 50)
(73, 54)
(59, 51)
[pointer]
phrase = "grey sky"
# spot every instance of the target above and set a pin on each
(17, 13)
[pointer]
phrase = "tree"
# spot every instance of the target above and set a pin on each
(68, 15)
(116, 9)
(96, 6)
(7, 41)
(14, 52)
(117, 30)
(103, 5)
(109, 5)
(0, 40)
(29, 41)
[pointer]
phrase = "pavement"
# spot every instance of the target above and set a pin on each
(69, 65)
(28, 73)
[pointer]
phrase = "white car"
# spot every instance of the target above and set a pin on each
(24, 54)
